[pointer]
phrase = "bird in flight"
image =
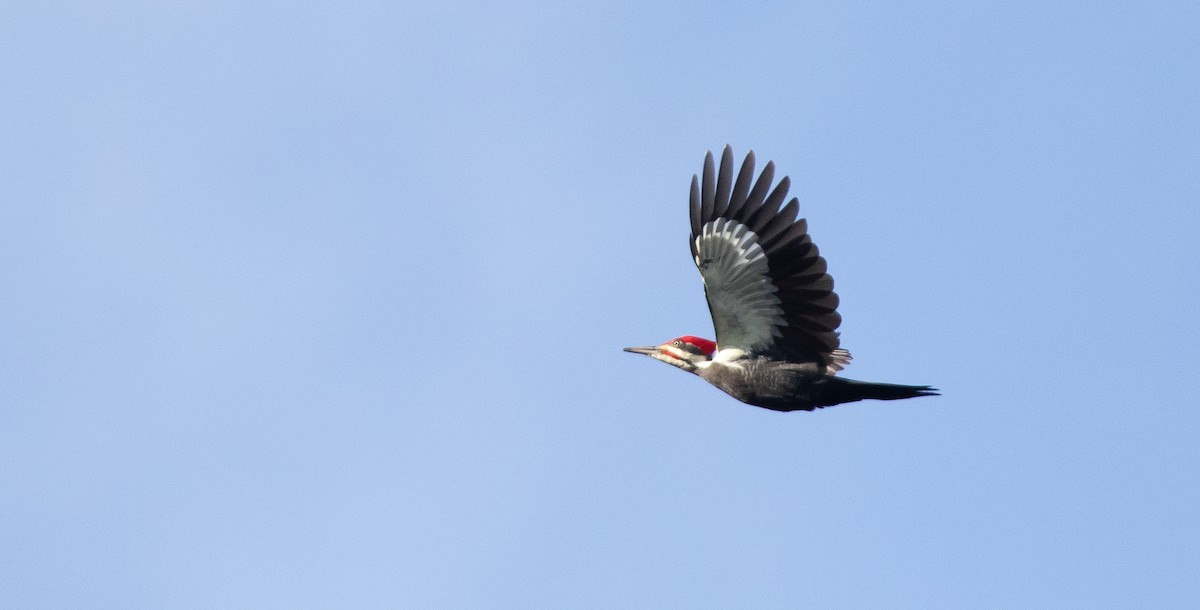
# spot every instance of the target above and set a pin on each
(772, 303)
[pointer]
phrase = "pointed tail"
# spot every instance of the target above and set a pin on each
(839, 389)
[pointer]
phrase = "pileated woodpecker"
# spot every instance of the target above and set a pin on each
(772, 303)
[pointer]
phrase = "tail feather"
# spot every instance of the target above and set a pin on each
(839, 390)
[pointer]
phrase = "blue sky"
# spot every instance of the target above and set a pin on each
(323, 305)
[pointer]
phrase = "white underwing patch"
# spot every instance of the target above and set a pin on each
(746, 310)
(730, 357)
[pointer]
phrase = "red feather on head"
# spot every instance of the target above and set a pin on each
(708, 346)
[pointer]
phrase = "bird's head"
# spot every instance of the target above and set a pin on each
(686, 352)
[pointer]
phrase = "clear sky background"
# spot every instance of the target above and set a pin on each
(323, 306)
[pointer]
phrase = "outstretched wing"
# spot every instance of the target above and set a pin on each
(766, 284)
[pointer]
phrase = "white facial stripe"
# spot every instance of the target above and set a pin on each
(675, 352)
(670, 359)
(745, 308)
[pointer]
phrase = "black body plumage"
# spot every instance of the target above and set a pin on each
(787, 386)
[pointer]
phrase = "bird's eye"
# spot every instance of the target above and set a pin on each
(677, 343)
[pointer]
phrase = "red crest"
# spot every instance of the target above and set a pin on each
(704, 344)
